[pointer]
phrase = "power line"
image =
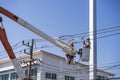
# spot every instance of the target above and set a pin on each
(98, 32)
(101, 31)
(46, 46)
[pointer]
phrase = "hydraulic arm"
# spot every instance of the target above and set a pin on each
(5, 42)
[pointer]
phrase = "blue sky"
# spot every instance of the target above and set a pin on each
(65, 17)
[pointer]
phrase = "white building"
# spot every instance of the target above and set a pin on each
(53, 68)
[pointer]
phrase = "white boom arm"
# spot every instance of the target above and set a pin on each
(60, 44)
(70, 51)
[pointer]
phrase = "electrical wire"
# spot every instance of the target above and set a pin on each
(46, 46)
(100, 37)
(86, 33)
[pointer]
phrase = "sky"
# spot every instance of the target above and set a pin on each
(67, 17)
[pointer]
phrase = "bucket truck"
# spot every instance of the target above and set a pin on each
(68, 49)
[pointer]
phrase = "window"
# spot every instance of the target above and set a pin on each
(4, 77)
(50, 76)
(54, 76)
(66, 77)
(101, 78)
(33, 74)
(14, 76)
(69, 78)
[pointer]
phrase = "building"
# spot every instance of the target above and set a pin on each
(53, 68)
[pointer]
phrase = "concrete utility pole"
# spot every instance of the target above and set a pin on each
(93, 40)
(31, 57)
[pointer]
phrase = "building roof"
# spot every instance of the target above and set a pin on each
(53, 55)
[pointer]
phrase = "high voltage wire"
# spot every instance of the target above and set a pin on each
(109, 35)
(101, 31)
(102, 67)
(55, 67)
(105, 36)
(79, 35)
(110, 67)
(58, 68)
(98, 32)
(76, 42)
(45, 46)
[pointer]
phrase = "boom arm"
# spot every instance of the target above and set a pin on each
(31, 28)
(70, 51)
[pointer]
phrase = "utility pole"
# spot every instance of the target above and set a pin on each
(93, 40)
(31, 57)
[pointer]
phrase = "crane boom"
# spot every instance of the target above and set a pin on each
(30, 27)
(70, 51)
(5, 42)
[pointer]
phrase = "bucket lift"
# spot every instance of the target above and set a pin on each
(85, 50)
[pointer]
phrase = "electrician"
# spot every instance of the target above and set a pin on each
(86, 43)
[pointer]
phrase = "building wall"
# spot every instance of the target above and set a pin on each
(53, 68)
